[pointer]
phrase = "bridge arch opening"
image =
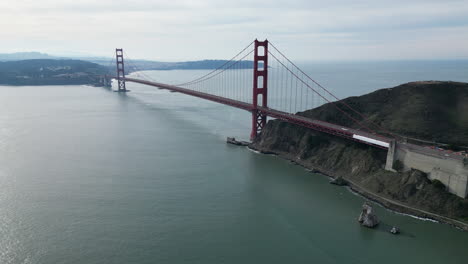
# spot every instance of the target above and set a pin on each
(260, 66)
(261, 51)
(260, 82)
(260, 100)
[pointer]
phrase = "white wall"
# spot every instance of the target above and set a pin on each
(452, 172)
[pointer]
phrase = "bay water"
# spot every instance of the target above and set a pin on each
(88, 175)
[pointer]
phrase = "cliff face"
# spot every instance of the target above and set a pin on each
(363, 165)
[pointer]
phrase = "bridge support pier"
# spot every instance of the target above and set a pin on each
(260, 87)
(391, 156)
(120, 71)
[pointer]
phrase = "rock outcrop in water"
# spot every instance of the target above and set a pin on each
(233, 141)
(367, 217)
(362, 166)
(395, 230)
(339, 181)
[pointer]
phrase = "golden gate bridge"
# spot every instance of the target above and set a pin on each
(274, 76)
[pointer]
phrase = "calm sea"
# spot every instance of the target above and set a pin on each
(92, 176)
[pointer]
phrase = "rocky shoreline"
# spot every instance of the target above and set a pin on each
(385, 202)
(430, 111)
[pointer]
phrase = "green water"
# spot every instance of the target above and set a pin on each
(92, 176)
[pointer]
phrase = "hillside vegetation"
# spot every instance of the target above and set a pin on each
(434, 111)
(50, 72)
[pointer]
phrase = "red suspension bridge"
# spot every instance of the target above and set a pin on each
(276, 88)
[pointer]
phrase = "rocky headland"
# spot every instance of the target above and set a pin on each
(432, 113)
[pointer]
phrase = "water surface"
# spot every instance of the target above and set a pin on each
(92, 176)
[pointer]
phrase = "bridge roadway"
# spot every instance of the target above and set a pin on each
(345, 132)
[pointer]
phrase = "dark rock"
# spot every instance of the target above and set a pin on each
(339, 181)
(395, 230)
(268, 152)
(367, 218)
(232, 140)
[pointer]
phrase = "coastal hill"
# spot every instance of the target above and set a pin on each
(50, 72)
(426, 110)
(433, 111)
(145, 65)
(131, 66)
(35, 68)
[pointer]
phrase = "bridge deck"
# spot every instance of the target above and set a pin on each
(349, 133)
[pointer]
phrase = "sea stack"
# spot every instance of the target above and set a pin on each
(367, 218)
(395, 230)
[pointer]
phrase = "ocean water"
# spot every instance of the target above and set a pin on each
(92, 176)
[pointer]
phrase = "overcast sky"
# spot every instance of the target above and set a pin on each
(174, 30)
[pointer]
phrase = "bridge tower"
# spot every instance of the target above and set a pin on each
(260, 87)
(120, 70)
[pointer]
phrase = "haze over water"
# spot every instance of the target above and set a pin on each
(92, 176)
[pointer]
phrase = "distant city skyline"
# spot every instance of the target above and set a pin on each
(208, 29)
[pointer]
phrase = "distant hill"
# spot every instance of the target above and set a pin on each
(142, 65)
(50, 72)
(133, 65)
(25, 56)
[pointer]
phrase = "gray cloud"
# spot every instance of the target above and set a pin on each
(184, 29)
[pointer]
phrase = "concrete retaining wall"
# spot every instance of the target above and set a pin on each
(452, 171)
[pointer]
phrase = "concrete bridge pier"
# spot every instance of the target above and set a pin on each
(390, 156)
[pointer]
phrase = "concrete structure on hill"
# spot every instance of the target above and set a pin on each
(448, 168)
